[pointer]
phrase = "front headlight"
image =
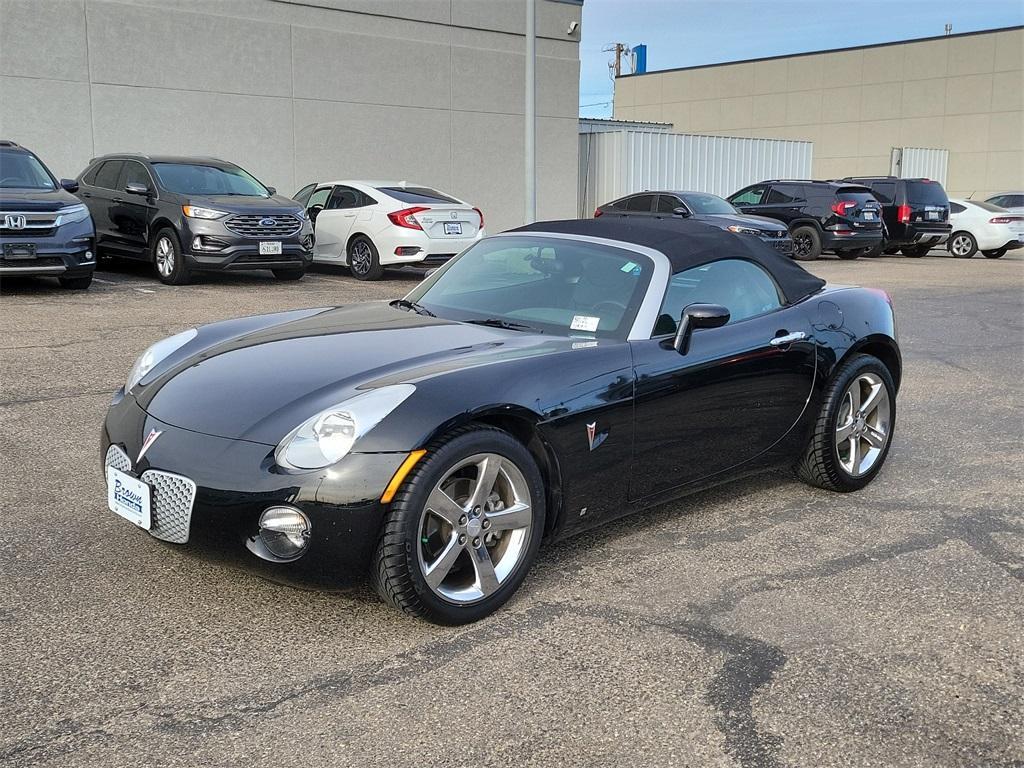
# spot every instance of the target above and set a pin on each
(196, 212)
(301, 214)
(71, 214)
(149, 359)
(327, 437)
(744, 230)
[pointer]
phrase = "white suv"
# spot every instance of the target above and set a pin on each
(368, 225)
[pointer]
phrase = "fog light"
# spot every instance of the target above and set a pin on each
(285, 532)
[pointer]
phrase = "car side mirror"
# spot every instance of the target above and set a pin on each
(698, 316)
(69, 185)
(680, 211)
(135, 188)
(272, 191)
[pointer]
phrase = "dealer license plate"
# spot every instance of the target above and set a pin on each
(270, 248)
(453, 227)
(129, 497)
(869, 215)
(19, 251)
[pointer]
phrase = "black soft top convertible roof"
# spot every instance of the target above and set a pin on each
(689, 244)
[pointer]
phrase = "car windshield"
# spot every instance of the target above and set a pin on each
(709, 205)
(926, 193)
(199, 179)
(20, 170)
(418, 195)
(531, 282)
(986, 206)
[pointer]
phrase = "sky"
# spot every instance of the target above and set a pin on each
(683, 33)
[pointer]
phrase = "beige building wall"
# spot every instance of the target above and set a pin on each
(963, 93)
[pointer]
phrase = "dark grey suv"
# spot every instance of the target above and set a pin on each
(700, 206)
(185, 214)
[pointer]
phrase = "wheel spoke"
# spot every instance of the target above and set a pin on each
(874, 398)
(855, 455)
(487, 473)
(486, 578)
(854, 399)
(442, 505)
(437, 570)
(517, 516)
(874, 436)
(844, 432)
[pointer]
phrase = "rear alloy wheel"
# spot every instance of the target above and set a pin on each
(289, 274)
(806, 244)
(462, 532)
(963, 245)
(854, 429)
(916, 251)
(998, 253)
(363, 260)
(170, 264)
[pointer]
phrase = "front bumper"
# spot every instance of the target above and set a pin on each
(65, 251)
(223, 249)
(236, 480)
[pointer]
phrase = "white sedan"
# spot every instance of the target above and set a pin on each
(369, 225)
(1011, 201)
(985, 227)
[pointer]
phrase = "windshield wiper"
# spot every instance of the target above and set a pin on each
(497, 322)
(419, 309)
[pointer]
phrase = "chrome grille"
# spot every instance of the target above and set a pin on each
(27, 223)
(173, 497)
(248, 225)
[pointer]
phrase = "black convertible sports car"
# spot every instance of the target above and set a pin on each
(547, 380)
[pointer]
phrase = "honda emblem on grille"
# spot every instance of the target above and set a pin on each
(150, 439)
(14, 221)
(268, 222)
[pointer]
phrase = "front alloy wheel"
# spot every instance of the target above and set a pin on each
(862, 431)
(461, 533)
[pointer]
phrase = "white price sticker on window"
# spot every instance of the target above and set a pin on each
(584, 323)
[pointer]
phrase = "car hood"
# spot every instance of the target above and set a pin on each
(242, 204)
(258, 378)
(35, 199)
(729, 219)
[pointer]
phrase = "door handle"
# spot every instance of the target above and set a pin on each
(118, 199)
(789, 338)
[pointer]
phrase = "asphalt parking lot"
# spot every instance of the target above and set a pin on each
(761, 624)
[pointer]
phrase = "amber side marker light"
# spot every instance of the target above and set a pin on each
(399, 476)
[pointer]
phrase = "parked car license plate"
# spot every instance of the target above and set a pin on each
(869, 215)
(270, 248)
(129, 497)
(19, 250)
(453, 227)
(932, 215)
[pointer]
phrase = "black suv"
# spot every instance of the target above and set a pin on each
(821, 215)
(700, 206)
(915, 213)
(193, 213)
(44, 229)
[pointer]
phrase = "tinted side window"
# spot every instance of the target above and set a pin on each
(640, 203)
(784, 194)
(1013, 201)
(884, 191)
(344, 197)
(90, 177)
(668, 203)
(108, 174)
(750, 196)
(956, 208)
(134, 173)
(744, 288)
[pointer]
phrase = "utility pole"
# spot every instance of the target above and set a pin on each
(530, 112)
(620, 50)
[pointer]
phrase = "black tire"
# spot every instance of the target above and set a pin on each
(875, 251)
(364, 266)
(998, 253)
(289, 274)
(820, 465)
(76, 283)
(178, 272)
(806, 243)
(891, 250)
(851, 254)
(916, 251)
(962, 245)
(396, 572)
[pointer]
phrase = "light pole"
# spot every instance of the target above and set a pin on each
(530, 112)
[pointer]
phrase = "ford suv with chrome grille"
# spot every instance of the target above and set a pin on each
(188, 214)
(44, 229)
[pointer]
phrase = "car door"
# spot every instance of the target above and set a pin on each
(747, 200)
(334, 222)
(736, 392)
(784, 202)
(666, 205)
(640, 205)
(99, 196)
(130, 214)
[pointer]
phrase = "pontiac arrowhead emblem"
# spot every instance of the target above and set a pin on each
(593, 437)
(150, 439)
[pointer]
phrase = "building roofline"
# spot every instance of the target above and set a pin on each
(825, 50)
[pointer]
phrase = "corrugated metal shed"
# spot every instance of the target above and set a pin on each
(617, 163)
(603, 125)
(920, 163)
